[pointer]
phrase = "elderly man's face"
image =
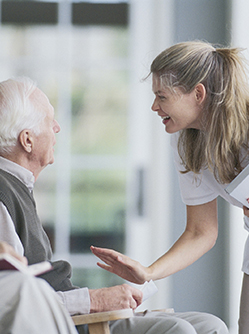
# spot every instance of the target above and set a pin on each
(43, 150)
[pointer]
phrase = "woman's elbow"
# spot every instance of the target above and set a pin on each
(212, 238)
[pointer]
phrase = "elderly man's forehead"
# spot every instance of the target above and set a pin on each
(38, 97)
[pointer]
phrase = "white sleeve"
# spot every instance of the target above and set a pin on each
(29, 305)
(76, 301)
(195, 189)
(7, 230)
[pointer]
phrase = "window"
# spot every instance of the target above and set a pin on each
(83, 68)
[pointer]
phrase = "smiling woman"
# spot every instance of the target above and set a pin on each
(211, 80)
(197, 107)
(179, 110)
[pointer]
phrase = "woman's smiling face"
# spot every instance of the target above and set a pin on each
(178, 110)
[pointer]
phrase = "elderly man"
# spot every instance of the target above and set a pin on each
(27, 139)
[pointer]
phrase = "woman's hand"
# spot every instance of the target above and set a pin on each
(121, 265)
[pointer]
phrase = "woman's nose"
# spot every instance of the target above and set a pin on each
(154, 106)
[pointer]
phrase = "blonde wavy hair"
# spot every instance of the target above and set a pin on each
(225, 122)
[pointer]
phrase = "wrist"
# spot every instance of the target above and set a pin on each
(154, 272)
(150, 273)
(94, 301)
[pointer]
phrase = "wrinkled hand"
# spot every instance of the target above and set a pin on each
(121, 265)
(6, 248)
(115, 298)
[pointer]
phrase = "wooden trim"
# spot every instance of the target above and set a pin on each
(100, 14)
(38, 12)
(29, 12)
(102, 316)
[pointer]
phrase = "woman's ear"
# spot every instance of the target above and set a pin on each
(200, 93)
(26, 140)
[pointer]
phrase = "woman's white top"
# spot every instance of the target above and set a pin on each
(203, 188)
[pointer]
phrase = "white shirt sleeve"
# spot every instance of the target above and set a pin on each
(7, 230)
(195, 189)
(199, 188)
(76, 301)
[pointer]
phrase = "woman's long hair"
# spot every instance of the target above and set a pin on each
(225, 121)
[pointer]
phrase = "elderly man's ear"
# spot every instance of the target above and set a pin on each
(26, 140)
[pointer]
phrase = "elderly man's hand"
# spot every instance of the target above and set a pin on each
(6, 248)
(115, 298)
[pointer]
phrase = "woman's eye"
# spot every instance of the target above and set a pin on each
(162, 97)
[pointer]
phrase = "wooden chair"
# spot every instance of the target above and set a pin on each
(98, 322)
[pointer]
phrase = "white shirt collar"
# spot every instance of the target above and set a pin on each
(21, 173)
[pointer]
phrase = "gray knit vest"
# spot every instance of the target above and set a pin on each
(22, 209)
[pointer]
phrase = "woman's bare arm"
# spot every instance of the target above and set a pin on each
(199, 237)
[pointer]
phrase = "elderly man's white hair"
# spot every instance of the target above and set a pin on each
(17, 112)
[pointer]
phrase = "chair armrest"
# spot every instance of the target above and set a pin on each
(83, 319)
